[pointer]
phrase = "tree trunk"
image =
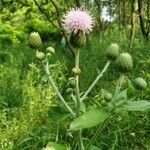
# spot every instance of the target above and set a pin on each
(148, 18)
(119, 16)
(99, 10)
(110, 9)
(133, 18)
(124, 13)
(144, 30)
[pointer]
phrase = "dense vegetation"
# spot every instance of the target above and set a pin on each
(31, 114)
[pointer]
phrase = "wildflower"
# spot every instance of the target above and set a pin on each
(77, 20)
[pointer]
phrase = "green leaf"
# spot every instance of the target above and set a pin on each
(54, 146)
(58, 113)
(122, 95)
(89, 119)
(45, 78)
(94, 148)
(130, 90)
(141, 105)
(83, 107)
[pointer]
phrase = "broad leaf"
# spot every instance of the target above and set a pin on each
(54, 146)
(141, 105)
(58, 113)
(89, 119)
(122, 95)
(83, 107)
(130, 90)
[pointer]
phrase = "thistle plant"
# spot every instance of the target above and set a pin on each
(79, 22)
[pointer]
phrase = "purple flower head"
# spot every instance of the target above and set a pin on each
(77, 20)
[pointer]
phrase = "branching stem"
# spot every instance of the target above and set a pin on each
(81, 146)
(96, 80)
(46, 67)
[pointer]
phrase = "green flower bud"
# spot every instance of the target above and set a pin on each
(50, 50)
(78, 40)
(48, 55)
(140, 83)
(112, 52)
(108, 97)
(35, 40)
(76, 71)
(40, 55)
(69, 91)
(125, 62)
(72, 82)
(103, 103)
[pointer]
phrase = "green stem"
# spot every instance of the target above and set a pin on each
(74, 99)
(81, 146)
(99, 130)
(96, 80)
(119, 85)
(77, 83)
(46, 67)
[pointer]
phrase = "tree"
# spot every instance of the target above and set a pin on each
(144, 29)
(133, 19)
(99, 10)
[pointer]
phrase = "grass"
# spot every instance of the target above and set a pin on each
(25, 99)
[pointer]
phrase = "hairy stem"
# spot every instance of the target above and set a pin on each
(81, 147)
(77, 84)
(46, 67)
(119, 85)
(96, 80)
(74, 99)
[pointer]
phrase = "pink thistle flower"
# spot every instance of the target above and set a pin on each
(78, 20)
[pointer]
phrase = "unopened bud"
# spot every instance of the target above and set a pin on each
(112, 51)
(108, 97)
(40, 55)
(140, 83)
(72, 82)
(69, 91)
(76, 71)
(78, 40)
(48, 55)
(35, 40)
(103, 103)
(50, 50)
(125, 62)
